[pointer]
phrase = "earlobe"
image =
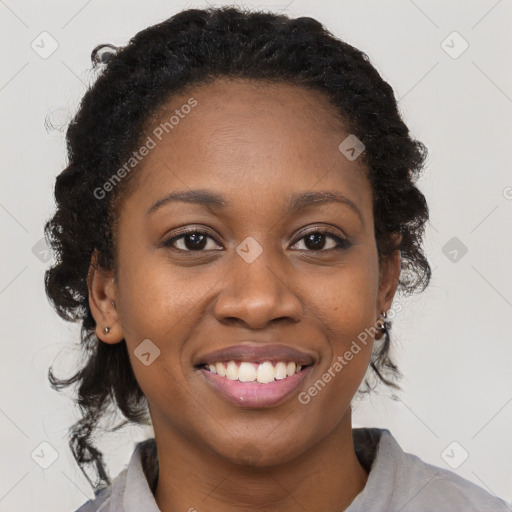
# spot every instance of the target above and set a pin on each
(388, 283)
(102, 291)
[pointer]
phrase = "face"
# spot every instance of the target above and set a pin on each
(283, 280)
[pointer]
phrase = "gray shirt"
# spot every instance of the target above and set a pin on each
(397, 481)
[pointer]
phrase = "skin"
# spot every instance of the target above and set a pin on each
(256, 144)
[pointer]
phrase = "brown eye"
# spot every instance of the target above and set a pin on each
(193, 240)
(197, 241)
(318, 240)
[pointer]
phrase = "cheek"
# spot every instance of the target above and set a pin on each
(159, 303)
(345, 307)
(342, 369)
(156, 299)
(346, 302)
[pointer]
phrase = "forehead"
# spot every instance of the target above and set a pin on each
(249, 139)
(235, 106)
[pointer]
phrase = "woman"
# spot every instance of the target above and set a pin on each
(238, 212)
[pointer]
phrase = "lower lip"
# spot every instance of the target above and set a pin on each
(254, 394)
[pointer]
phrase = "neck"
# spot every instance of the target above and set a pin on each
(327, 477)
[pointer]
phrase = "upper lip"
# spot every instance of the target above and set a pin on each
(256, 353)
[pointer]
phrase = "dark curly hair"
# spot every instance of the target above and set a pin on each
(133, 82)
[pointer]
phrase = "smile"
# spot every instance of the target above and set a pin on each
(263, 373)
(262, 384)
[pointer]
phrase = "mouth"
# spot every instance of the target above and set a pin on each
(251, 385)
(260, 372)
(255, 375)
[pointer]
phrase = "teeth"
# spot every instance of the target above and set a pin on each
(280, 371)
(232, 371)
(266, 372)
(263, 373)
(221, 369)
(247, 372)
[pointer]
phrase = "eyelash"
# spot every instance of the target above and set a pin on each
(342, 243)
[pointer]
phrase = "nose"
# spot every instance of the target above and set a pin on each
(257, 293)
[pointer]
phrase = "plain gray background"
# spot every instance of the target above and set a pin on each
(452, 342)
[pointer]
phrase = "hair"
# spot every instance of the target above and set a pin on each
(133, 82)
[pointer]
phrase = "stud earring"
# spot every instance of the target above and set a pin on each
(106, 330)
(384, 325)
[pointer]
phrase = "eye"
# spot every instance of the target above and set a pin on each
(190, 240)
(196, 240)
(316, 241)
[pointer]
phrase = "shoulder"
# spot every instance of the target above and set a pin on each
(402, 481)
(445, 490)
(130, 485)
(99, 503)
(108, 499)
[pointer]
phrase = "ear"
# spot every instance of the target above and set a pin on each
(389, 275)
(102, 301)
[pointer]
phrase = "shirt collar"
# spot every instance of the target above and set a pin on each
(133, 490)
(141, 479)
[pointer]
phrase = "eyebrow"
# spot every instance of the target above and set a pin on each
(213, 201)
